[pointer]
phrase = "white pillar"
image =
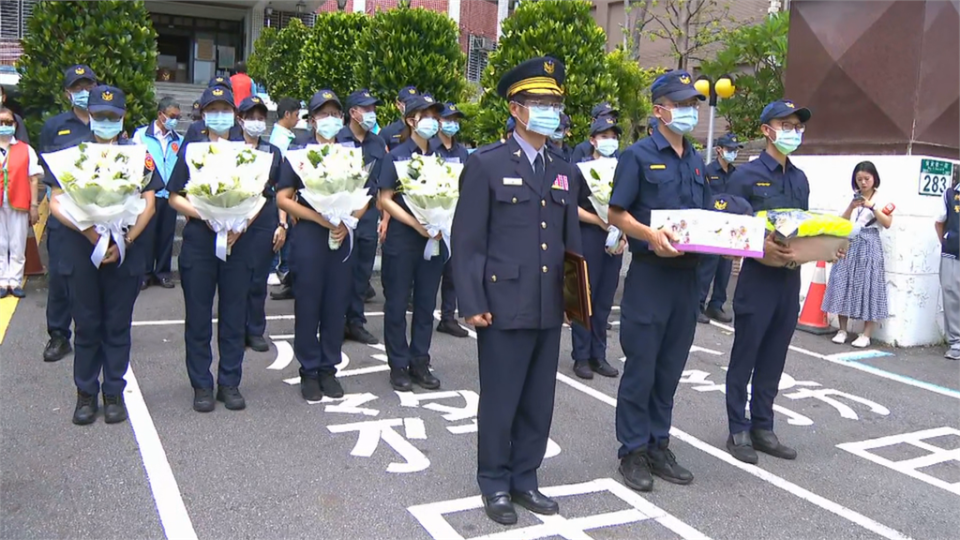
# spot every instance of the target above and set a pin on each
(503, 9)
(359, 6)
(256, 22)
(454, 11)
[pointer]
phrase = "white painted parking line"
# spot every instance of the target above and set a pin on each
(911, 467)
(173, 322)
(166, 493)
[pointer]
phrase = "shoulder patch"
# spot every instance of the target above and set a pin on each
(63, 132)
(148, 163)
(657, 167)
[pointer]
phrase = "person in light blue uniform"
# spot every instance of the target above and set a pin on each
(202, 274)
(658, 313)
(393, 133)
(603, 262)
(269, 230)
(404, 265)
(585, 148)
(322, 291)
(766, 302)
(102, 298)
(715, 270)
(163, 145)
(63, 131)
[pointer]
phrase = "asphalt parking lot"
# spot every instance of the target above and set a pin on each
(877, 432)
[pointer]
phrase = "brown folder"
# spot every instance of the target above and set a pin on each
(576, 290)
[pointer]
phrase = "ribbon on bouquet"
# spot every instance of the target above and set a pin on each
(107, 231)
(613, 238)
(223, 227)
(350, 222)
(433, 245)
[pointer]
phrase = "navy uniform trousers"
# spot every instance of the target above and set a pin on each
(261, 231)
(58, 286)
(321, 295)
(361, 262)
(203, 275)
(404, 268)
(448, 294)
(714, 270)
(658, 321)
(766, 305)
(604, 273)
(161, 231)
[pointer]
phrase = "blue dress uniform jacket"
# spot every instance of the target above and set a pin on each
(162, 228)
(263, 229)
(101, 303)
(62, 131)
(659, 306)
(715, 270)
(509, 237)
(766, 303)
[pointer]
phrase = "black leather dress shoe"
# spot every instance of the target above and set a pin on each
(499, 508)
(718, 315)
(767, 442)
(57, 348)
(582, 369)
(702, 318)
(359, 334)
(258, 343)
(167, 282)
(420, 374)
(635, 470)
(285, 292)
(602, 368)
(536, 502)
(452, 328)
(740, 447)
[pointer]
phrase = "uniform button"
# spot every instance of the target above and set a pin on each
(543, 202)
(544, 269)
(493, 278)
(514, 200)
(543, 247)
(543, 224)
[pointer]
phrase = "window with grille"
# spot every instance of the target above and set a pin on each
(477, 56)
(280, 19)
(13, 18)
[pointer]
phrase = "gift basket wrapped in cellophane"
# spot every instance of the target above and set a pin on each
(810, 235)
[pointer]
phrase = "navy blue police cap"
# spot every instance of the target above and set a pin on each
(782, 109)
(564, 121)
(222, 82)
(543, 76)
(321, 98)
(730, 140)
(511, 124)
(408, 92)
(252, 102)
(676, 86)
(214, 95)
(420, 103)
(731, 204)
(361, 98)
(196, 105)
(603, 109)
(451, 110)
(105, 98)
(76, 73)
(605, 123)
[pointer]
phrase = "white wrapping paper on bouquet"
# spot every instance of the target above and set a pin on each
(430, 187)
(225, 220)
(598, 174)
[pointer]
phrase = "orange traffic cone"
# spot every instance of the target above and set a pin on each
(33, 266)
(812, 318)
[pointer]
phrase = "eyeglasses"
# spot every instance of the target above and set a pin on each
(7, 123)
(322, 115)
(537, 104)
(791, 126)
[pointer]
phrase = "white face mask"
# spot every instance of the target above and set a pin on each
(254, 128)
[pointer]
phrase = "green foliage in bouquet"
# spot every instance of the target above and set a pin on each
(115, 38)
(262, 64)
(406, 46)
(330, 55)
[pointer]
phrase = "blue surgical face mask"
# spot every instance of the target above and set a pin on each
(788, 141)
(79, 99)
(684, 119)
(450, 127)
(729, 155)
(218, 122)
(607, 147)
(106, 129)
(543, 120)
(170, 124)
(428, 127)
(328, 127)
(7, 131)
(557, 135)
(368, 120)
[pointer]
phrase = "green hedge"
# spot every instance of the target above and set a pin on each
(115, 38)
(286, 63)
(262, 63)
(329, 58)
(632, 93)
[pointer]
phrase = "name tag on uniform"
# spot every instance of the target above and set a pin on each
(512, 182)
(63, 132)
(657, 167)
(763, 184)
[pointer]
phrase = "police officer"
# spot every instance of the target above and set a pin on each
(62, 131)
(269, 230)
(557, 143)
(516, 217)
(604, 262)
(195, 131)
(163, 144)
(508, 129)
(202, 274)
(765, 302)
(659, 308)
(102, 298)
(392, 134)
(585, 148)
(715, 270)
(651, 125)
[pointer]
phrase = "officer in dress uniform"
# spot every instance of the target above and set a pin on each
(202, 274)
(63, 131)
(765, 302)
(659, 308)
(102, 298)
(715, 270)
(322, 292)
(362, 111)
(195, 131)
(516, 217)
(585, 148)
(392, 134)
(590, 346)
(557, 143)
(269, 232)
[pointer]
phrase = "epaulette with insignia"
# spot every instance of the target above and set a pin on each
(489, 147)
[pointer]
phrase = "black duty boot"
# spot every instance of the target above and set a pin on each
(635, 469)
(57, 348)
(664, 464)
(740, 447)
(400, 380)
(203, 400)
(310, 388)
(581, 368)
(420, 374)
(330, 385)
(114, 409)
(231, 398)
(86, 411)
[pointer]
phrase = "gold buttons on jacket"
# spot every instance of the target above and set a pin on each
(543, 247)
(544, 269)
(493, 278)
(543, 224)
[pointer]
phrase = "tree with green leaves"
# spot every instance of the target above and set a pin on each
(565, 30)
(632, 95)
(263, 61)
(689, 26)
(406, 46)
(284, 78)
(329, 57)
(115, 38)
(762, 50)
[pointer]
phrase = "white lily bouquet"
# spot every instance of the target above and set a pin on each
(226, 186)
(431, 187)
(101, 188)
(599, 177)
(334, 180)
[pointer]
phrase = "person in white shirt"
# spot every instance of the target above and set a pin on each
(288, 114)
(20, 177)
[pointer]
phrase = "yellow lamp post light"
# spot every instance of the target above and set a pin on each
(723, 88)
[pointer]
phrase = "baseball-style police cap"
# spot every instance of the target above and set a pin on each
(542, 76)
(77, 73)
(676, 86)
(109, 99)
(451, 110)
(783, 108)
(222, 82)
(361, 98)
(730, 140)
(603, 109)
(321, 98)
(196, 105)
(731, 204)
(214, 95)
(407, 93)
(605, 123)
(252, 102)
(511, 124)
(422, 103)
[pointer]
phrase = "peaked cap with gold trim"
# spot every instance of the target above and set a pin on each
(542, 76)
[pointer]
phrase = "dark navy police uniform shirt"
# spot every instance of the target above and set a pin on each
(400, 234)
(457, 152)
(767, 186)
(719, 178)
